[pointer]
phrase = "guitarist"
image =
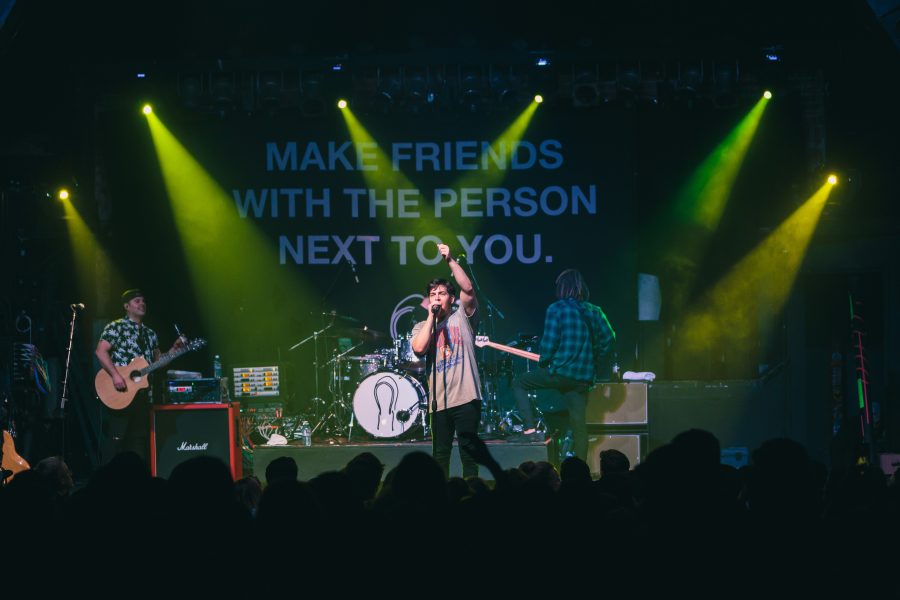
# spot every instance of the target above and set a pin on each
(121, 341)
(576, 336)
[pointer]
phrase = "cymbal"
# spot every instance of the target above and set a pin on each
(364, 333)
(335, 315)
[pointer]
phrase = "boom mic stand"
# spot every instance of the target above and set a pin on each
(64, 396)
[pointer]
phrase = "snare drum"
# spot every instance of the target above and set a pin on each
(388, 404)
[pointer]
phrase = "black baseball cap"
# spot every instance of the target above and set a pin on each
(129, 295)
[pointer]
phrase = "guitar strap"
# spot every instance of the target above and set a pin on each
(143, 341)
(144, 345)
(590, 327)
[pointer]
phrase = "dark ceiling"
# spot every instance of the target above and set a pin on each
(57, 56)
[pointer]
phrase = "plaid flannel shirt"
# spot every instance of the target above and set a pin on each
(566, 346)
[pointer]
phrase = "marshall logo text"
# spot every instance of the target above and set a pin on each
(185, 447)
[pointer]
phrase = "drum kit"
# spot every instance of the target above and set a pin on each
(380, 391)
(383, 392)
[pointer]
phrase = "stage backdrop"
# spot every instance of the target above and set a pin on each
(357, 224)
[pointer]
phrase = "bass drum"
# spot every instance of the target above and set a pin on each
(389, 405)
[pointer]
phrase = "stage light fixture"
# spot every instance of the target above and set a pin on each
(767, 95)
(390, 89)
(223, 90)
(725, 81)
(628, 78)
(311, 89)
(585, 85)
(192, 89)
(471, 88)
(538, 98)
(269, 88)
(147, 109)
(63, 194)
(342, 103)
(415, 84)
(832, 179)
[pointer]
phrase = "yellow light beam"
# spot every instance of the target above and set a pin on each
(384, 182)
(93, 267)
(495, 157)
(762, 280)
(235, 268)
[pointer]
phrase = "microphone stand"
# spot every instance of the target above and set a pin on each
(434, 376)
(64, 396)
(492, 408)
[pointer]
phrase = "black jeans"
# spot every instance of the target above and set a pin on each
(129, 429)
(574, 394)
(461, 421)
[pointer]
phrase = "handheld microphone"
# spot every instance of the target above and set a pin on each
(353, 268)
(436, 309)
(77, 306)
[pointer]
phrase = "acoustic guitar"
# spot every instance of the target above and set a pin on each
(135, 376)
(12, 463)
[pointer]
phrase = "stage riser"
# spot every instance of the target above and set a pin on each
(318, 459)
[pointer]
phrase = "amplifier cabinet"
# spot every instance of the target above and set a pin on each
(617, 404)
(179, 432)
(632, 445)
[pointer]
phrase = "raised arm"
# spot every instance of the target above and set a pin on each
(467, 298)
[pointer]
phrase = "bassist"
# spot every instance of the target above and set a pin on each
(576, 336)
(120, 342)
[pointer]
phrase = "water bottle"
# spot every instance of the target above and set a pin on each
(217, 367)
(306, 433)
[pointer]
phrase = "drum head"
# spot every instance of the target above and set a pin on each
(388, 405)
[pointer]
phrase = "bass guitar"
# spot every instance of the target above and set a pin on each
(482, 340)
(135, 376)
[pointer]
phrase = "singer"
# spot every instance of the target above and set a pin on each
(447, 336)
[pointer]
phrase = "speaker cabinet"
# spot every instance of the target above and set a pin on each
(631, 445)
(179, 432)
(617, 404)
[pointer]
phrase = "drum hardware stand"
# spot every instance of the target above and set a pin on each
(511, 422)
(337, 395)
(317, 400)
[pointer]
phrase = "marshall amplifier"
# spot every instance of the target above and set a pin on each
(179, 432)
